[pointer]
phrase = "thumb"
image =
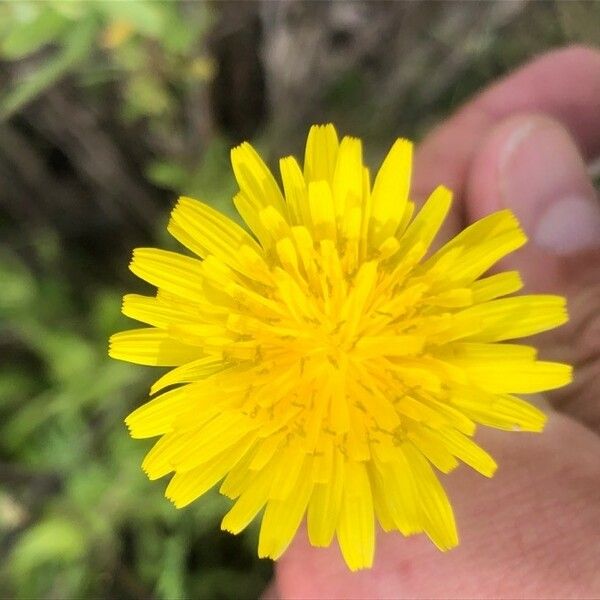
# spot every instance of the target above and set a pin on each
(531, 165)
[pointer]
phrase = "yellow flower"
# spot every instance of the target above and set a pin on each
(324, 363)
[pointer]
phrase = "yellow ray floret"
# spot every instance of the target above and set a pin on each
(324, 367)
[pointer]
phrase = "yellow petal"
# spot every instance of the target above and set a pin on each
(282, 517)
(519, 377)
(481, 245)
(355, 528)
(156, 417)
(173, 272)
(322, 211)
(511, 318)
(325, 504)
(249, 503)
(390, 192)
(347, 183)
(428, 221)
(150, 346)
(437, 517)
(255, 179)
(426, 442)
(394, 487)
(294, 186)
(154, 311)
(189, 372)
(205, 231)
(222, 432)
(321, 153)
(468, 451)
(502, 411)
(286, 478)
(187, 486)
(494, 286)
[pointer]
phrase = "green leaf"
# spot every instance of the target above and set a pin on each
(26, 37)
(69, 355)
(167, 174)
(18, 286)
(181, 32)
(76, 47)
(172, 575)
(146, 96)
(14, 386)
(147, 18)
(56, 540)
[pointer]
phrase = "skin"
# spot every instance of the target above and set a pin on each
(532, 531)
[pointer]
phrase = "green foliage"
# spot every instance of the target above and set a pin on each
(52, 540)
(139, 43)
(77, 43)
(32, 31)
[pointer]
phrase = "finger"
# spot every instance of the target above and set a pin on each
(564, 84)
(532, 165)
(533, 531)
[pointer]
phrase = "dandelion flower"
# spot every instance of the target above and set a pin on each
(325, 362)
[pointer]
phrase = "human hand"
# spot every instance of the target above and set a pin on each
(534, 529)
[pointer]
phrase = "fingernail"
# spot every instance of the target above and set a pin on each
(544, 180)
(569, 226)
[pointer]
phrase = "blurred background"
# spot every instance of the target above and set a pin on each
(108, 111)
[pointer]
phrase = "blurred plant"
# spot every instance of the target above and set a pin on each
(151, 54)
(143, 41)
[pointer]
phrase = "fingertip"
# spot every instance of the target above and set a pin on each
(484, 188)
(530, 164)
(574, 55)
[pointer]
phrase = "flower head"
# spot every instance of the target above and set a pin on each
(326, 363)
